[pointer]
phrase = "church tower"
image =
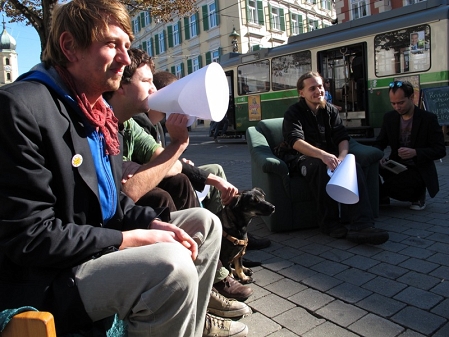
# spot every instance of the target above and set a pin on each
(9, 68)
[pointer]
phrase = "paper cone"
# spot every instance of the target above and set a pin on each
(202, 94)
(342, 186)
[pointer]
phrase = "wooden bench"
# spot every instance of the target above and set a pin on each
(30, 324)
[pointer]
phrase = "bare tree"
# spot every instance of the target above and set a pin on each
(37, 13)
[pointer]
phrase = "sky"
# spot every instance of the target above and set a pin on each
(28, 44)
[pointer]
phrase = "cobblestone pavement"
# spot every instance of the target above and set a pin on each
(311, 285)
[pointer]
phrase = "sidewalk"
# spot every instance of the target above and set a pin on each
(313, 286)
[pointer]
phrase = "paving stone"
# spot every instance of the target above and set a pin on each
(285, 287)
(439, 258)
(287, 252)
(410, 333)
(442, 309)
(283, 333)
(441, 272)
(417, 252)
(260, 325)
(271, 305)
(349, 292)
(298, 320)
(321, 282)
(375, 326)
(418, 242)
(341, 313)
(355, 276)
(277, 263)
(390, 257)
(419, 280)
(441, 288)
(329, 267)
(381, 305)
(384, 286)
(265, 277)
(388, 270)
(330, 330)
(306, 259)
(443, 332)
(311, 299)
(361, 262)
(258, 292)
(419, 320)
(439, 247)
(336, 255)
(418, 298)
(297, 273)
(314, 249)
(419, 265)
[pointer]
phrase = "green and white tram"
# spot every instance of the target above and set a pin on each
(359, 57)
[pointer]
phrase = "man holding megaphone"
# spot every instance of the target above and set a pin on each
(158, 163)
(313, 130)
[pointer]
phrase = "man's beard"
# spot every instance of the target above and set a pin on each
(322, 104)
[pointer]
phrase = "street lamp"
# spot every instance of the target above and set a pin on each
(234, 35)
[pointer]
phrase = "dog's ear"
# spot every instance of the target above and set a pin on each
(259, 190)
(236, 201)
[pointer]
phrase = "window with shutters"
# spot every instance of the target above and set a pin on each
(161, 42)
(193, 26)
(252, 11)
(212, 15)
(176, 35)
(275, 18)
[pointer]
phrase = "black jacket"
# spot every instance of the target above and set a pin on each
(426, 138)
(50, 214)
(300, 123)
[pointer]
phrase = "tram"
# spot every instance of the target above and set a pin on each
(360, 58)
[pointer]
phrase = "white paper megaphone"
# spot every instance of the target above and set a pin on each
(202, 94)
(342, 186)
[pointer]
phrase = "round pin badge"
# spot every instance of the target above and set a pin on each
(77, 160)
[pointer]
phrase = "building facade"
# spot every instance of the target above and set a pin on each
(347, 10)
(219, 27)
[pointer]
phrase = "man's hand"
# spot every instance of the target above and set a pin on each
(406, 153)
(176, 125)
(227, 191)
(330, 160)
(159, 232)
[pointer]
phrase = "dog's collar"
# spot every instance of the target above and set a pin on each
(234, 240)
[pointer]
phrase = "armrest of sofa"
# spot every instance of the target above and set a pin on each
(365, 155)
(263, 157)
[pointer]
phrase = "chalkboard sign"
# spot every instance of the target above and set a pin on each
(436, 100)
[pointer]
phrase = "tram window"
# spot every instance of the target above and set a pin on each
(286, 70)
(402, 51)
(254, 77)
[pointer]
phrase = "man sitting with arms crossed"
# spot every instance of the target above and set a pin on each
(131, 97)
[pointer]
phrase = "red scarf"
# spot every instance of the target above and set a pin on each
(100, 115)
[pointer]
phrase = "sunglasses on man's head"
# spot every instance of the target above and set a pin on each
(396, 84)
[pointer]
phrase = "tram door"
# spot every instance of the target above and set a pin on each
(231, 106)
(345, 67)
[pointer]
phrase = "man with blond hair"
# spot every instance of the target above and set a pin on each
(70, 242)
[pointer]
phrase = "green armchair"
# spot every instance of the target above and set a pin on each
(295, 207)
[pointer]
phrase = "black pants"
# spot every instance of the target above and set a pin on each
(175, 192)
(405, 186)
(358, 216)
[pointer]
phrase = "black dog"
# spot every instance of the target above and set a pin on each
(235, 218)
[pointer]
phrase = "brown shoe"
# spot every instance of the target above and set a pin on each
(230, 288)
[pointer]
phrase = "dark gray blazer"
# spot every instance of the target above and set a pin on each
(50, 214)
(427, 138)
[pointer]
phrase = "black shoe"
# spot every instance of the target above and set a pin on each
(371, 235)
(254, 243)
(339, 232)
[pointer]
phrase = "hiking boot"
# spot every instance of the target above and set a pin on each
(222, 327)
(230, 288)
(371, 235)
(223, 307)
